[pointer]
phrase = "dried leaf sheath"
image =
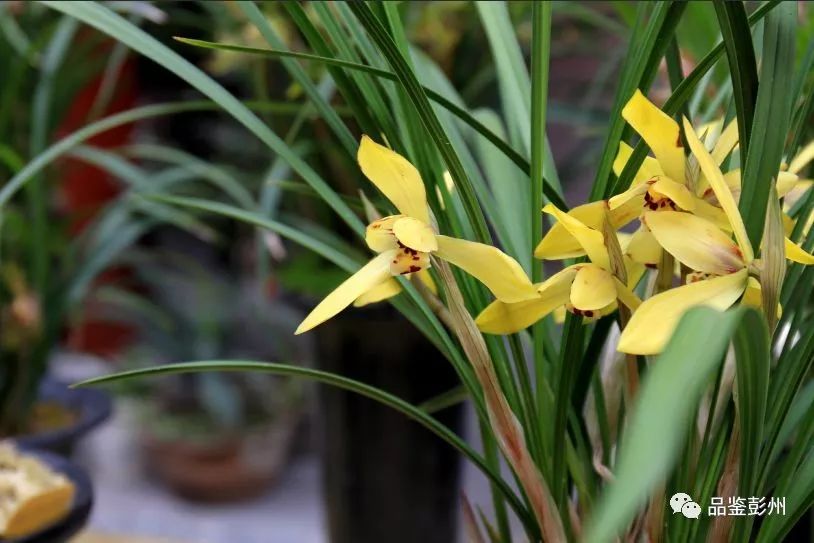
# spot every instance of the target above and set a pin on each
(503, 421)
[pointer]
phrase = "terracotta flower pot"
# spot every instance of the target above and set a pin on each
(224, 468)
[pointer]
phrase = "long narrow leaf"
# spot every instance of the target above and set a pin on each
(772, 118)
(753, 362)
(332, 379)
(662, 415)
(103, 19)
(678, 99)
(740, 52)
(448, 104)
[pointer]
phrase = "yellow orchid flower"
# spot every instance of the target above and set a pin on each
(654, 190)
(799, 188)
(802, 158)
(391, 287)
(588, 289)
(722, 266)
(660, 183)
(559, 244)
(663, 182)
(405, 242)
(788, 186)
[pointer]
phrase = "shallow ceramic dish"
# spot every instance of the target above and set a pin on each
(77, 517)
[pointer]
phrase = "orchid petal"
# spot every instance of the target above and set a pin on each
(653, 323)
(591, 240)
(427, 280)
(370, 275)
(786, 182)
(379, 234)
(795, 253)
(559, 244)
(384, 290)
(722, 192)
(726, 142)
(644, 248)
(659, 131)
(415, 234)
(752, 296)
(649, 169)
(798, 191)
(677, 192)
(620, 215)
(508, 318)
(635, 272)
(802, 158)
(395, 177)
(695, 242)
(592, 289)
(560, 280)
(632, 195)
(501, 274)
(503, 318)
(712, 213)
(625, 295)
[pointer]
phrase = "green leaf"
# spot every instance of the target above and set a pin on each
(213, 174)
(322, 105)
(374, 99)
(662, 415)
(753, 359)
(803, 101)
(419, 314)
(740, 52)
(787, 378)
(541, 49)
(635, 64)
(294, 234)
(345, 84)
(540, 156)
(772, 118)
(420, 102)
(514, 82)
(795, 484)
(676, 102)
(447, 103)
(569, 364)
(49, 155)
(101, 18)
(444, 400)
(41, 122)
(335, 380)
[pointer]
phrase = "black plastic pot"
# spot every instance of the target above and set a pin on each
(386, 478)
(92, 406)
(78, 515)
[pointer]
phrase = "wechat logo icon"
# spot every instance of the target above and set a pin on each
(682, 503)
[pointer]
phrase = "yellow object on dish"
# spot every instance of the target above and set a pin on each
(32, 496)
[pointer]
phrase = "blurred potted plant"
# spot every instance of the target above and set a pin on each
(216, 436)
(44, 272)
(36, 410)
